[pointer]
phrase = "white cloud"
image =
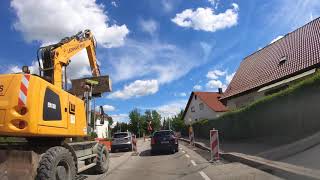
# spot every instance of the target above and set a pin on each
(120, 118)
(160, 61)
(67, 18)
(136, 89)
(149, 26)
(49, 21)
(170, 109)
(215, 74)
(288, 14)
(14, 69)
(182, 94)
(34, 68)
(114, 4)
(106, 108)
(197, 87)
(212, 84)
(276, 39)
(229, 77)
(205, 18)
(214, 3)
(167, 5)
(207, 48)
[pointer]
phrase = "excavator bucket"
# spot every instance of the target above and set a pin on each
(104, 85)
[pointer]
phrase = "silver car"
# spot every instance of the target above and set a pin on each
(121, 140)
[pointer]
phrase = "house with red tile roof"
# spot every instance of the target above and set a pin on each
(203, 105)
(276, 66)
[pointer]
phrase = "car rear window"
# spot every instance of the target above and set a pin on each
(163, 133)
(120, 135)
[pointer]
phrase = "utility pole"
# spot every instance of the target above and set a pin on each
(138, 128)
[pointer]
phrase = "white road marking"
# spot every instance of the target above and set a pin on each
(187, 156)
(193, 163)
(180, 148)
(204, 176)
(183, 151)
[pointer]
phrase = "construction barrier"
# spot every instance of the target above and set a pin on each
(134, 143)
(105, 142)
(214, 145)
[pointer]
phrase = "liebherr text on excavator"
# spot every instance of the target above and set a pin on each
(40, 109)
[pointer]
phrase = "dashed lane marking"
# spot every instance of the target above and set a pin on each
(187, 156)
(204, 176)
(193, 163)
(183, 151)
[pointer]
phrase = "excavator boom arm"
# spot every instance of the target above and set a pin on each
(56, 56)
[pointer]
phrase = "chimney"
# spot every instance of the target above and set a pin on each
(220, 90)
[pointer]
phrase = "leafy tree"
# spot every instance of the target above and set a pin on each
(120, 127)
(178, 122)
(156, 120)
(136, 122)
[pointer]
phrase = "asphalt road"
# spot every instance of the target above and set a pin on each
(186, 164)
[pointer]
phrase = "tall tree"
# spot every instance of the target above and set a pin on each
(136, 122)
(156, 120)
(177, 122)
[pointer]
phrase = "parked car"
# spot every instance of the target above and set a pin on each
(164, 140)
(121, 140)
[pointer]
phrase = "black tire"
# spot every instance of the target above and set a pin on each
(103, 159)
(173, 150)
(153, 152)
(113, 150)
(130, 148)
(56, 163)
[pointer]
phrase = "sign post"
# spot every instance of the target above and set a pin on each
(214, 145)
(191, 136)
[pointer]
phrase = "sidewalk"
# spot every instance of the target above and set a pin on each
(246, 147)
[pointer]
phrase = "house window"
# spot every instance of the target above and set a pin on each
(192, 109)
(201, 106)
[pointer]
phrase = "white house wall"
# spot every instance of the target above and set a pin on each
(102, 130)
(205, 113)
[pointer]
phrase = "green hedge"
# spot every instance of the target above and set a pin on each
(290, 113)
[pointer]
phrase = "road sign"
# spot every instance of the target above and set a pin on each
(149, 127)
(214, 144)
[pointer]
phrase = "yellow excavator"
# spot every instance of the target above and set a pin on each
(39, 108)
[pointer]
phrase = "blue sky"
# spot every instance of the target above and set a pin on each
(156, 52)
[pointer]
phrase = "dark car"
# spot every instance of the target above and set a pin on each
(164, 140)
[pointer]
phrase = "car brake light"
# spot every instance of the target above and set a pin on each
(153, 141)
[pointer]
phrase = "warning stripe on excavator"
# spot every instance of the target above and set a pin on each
(22, 100)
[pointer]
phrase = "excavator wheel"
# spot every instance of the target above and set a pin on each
(103, 159)
(56, 163)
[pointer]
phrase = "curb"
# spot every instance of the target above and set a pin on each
(197, 144)
(286, 170)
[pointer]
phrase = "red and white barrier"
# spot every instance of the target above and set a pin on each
(134, 143)
(214, 145)
(22, 99)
